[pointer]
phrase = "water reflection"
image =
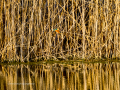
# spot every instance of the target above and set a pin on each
(75, 76)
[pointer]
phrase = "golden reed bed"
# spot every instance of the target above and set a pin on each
(88, 29)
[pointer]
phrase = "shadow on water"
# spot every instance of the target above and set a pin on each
(60, 76)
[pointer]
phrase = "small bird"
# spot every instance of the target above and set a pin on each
(57, 30)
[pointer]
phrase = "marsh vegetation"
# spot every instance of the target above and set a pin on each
(88, 29)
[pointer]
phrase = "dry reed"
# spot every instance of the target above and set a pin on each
(88, 29)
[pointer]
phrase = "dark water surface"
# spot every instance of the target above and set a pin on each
(60, 76)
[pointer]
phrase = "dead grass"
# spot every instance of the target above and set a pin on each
(88, 29)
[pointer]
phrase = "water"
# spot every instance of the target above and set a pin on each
(60, 76)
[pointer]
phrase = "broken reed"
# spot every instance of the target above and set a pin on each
(88, 29)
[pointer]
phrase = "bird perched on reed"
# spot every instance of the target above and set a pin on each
(57, 30)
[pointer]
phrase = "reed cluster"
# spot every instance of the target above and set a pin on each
(88, 29)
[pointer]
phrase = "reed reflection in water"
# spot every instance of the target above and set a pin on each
(72, 76)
